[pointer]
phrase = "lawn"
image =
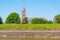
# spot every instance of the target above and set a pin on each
(29, 26)
(17, 38)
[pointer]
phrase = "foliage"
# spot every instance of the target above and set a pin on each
(39, 21)
(1, 20)
(13, 18)
(36, 20)
(50, 22)
(25, 21)
(43, 21)
(57, 18)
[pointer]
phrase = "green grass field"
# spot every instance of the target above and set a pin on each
(29, 26)
(13, 38)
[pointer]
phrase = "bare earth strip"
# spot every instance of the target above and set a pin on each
(29, 30)
(31, 33)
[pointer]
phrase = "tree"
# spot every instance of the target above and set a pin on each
(43, 21)
(50, 22)
(13, 18)
(35, 21)
(57, 18)
(40, 21)
(1, 20)
(25, 21)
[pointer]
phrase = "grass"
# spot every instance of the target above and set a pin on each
(29, 26)
(17, 38)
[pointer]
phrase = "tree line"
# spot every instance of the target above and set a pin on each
(15, 18)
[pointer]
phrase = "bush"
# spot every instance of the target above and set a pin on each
(13, 18)
(1, 20)
(25, 21)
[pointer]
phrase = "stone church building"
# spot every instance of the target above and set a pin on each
(24, 15)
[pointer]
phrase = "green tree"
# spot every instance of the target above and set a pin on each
(43, 21)
(1, 20)
(50, 21)
(39, 21)
(13, 18)
(35, 21)
(25, 21)
(57, 18)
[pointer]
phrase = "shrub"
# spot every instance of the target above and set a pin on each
(25, 21)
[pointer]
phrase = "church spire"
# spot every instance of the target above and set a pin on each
(23, 9)
(23, 13)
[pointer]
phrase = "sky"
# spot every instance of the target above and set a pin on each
(34, 8)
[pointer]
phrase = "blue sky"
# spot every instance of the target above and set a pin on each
(34, 8)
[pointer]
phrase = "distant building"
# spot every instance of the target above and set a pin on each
(24, 16)
(29, 20)
(23, 13)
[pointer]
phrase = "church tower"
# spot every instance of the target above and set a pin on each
(23, 13)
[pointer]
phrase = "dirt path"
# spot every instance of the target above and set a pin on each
(29, 30)
(31, 33)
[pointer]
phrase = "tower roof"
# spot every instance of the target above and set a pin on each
(23, 9)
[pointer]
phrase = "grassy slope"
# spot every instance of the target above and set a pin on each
(29, 26)
(13, 38)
